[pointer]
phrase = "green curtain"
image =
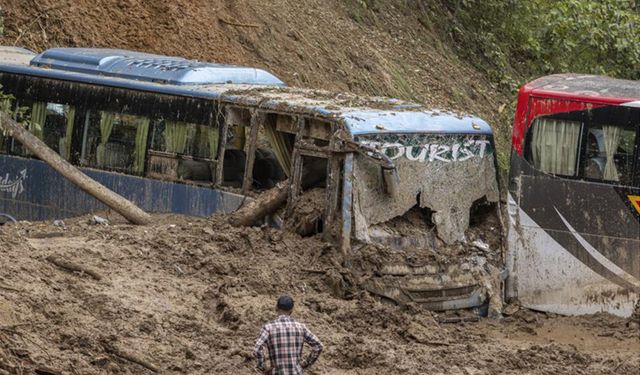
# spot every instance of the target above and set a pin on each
(5, 106)
(213, 135)
(142, 133)
(281, 145)
(38, 117)
(175, 136)
(106, 126)
(239, 137)
(71, 115)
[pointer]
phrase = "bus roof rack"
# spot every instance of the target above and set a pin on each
(149, 67)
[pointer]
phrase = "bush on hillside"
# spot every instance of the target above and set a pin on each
(508, 38)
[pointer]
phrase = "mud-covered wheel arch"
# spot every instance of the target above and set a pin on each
(6, 219)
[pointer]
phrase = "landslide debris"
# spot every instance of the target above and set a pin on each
(188, 296)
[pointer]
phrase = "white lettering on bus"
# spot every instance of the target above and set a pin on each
(13, 186)
(433, 151)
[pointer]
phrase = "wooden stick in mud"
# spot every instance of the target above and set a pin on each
(70, 266)
(111, 199)
(231, 23)
(131, 357)
(267, 203)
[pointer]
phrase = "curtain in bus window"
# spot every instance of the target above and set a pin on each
(142, 132)
(213, 137)
(238, 137)
(555, 146)
(175, 136)
(38, 117)
(5, 106)
(106, 126)
(611, 142)
(281, 146)
(65, 144)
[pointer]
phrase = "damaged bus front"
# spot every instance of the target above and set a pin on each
(443, 173)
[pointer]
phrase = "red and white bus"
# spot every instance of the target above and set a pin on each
(574, 196)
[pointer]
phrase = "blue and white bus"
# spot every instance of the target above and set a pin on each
(195, 138)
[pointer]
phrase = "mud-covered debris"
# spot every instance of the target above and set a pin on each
(479, 244)
(206, 319)
(97, 220)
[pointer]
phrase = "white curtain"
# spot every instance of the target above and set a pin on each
(611, 142)
(554, 146)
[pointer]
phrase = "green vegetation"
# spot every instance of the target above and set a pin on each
(512, 40)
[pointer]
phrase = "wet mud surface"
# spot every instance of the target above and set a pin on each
(188, 296)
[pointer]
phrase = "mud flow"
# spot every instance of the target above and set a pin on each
(188, 296)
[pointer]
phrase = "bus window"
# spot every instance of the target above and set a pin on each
(610, 151)
(272, 158)
(555, 146)
(115, 141)
(183, 150)
(53, 123)
(234, 154)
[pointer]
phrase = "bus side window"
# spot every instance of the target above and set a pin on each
(610, 153)
(53, 123)
(115, 141)
(183, 150)
(555, 145)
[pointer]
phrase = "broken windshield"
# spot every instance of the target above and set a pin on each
(445, 173)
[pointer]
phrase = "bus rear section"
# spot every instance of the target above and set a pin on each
(574, 196)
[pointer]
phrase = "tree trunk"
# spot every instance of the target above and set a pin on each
(114, 201)
(267, 203)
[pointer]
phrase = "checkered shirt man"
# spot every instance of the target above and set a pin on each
(284, 338)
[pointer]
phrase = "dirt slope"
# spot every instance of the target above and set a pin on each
(189, 295)
(389, 48)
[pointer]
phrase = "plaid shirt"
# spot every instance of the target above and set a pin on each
(284, 338)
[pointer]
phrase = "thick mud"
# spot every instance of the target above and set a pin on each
(188, 296)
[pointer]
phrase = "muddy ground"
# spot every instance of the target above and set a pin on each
(188, 296)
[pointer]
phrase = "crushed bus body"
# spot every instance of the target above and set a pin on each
(574, 187)
(173, 135)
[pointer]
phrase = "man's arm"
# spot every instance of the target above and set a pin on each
(316, 348)
(257, 350)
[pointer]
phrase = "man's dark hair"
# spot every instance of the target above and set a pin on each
(285, 303)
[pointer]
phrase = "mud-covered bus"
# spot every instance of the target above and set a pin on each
(195, 138)
(574, 196)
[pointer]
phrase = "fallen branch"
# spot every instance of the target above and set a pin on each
(12, 326)
(458, 320)
(435, 343)
(41, 235)
(70, 266)
(237, 24)
(265, 204)
(6, 287)
(308, 270)
(131, 358)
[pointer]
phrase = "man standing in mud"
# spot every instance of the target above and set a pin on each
(284, 338)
